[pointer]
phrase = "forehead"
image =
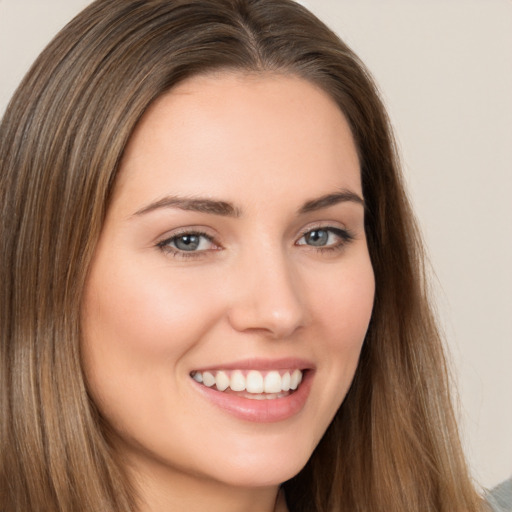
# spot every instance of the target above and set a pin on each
(229, 135)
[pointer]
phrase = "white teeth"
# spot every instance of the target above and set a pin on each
(237, 381)
(208, 379)
(296, 378)
(254, 382)
(285, 382)
(270, 384)
(221, 381)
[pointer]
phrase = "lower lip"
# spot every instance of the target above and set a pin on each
(260, 411)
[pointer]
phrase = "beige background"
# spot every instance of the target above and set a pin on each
(445, 71)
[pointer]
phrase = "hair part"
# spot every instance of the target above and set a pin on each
(393, 444)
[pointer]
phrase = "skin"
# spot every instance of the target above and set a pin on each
(255, 288)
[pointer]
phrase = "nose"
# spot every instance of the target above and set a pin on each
(265, 297)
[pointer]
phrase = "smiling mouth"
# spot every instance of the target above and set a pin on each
(252, 384)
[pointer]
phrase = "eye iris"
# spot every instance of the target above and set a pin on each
(187, 242)
(317, 237)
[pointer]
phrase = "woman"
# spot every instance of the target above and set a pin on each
(212, 279)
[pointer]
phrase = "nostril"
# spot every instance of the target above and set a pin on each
(268, 318)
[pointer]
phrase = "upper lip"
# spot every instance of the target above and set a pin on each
(287, 363)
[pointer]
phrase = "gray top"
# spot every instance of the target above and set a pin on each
(500, 498)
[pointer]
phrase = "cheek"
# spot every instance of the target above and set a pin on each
(344, 302)
(138, 327)
(141, 311)
(343, 308)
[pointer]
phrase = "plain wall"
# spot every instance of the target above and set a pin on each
(445, 72)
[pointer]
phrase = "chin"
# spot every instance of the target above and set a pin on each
(260, 469)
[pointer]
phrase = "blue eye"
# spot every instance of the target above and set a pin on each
(187, 243)
(328, 238)
(318, 237)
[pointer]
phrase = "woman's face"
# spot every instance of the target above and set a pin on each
(233, 253)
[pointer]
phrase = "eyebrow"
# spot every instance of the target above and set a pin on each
(226, 209)
(342, 196)
(202, 205)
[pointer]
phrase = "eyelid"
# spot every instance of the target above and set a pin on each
(328, 226)
(164, 243)
(345, 235)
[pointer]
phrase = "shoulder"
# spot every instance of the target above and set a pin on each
(500, 498)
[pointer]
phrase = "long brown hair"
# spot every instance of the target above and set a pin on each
(393, 445)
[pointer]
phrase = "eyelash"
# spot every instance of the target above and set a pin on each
(165, 246)
(344, 235)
